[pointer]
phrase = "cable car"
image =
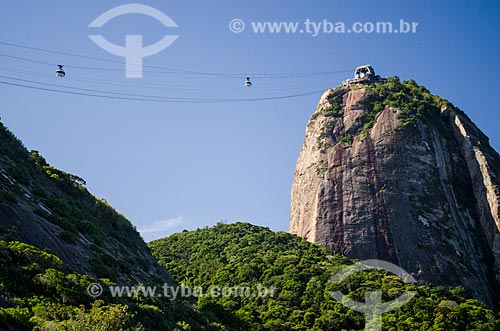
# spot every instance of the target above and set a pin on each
(248, 83)
(60, 72)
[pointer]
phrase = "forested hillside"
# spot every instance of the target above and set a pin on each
(56, 240)
(53, 210)
(245, 255)
(39, 292)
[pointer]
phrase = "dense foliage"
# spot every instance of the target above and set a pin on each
(37, 292)
(72, 207)
(412, 100)
(245, 255)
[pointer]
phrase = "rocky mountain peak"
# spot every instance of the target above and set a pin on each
(389, 171)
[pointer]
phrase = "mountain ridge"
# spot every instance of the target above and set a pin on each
(390, 171)
(46, 287)
(241, 254)
(51, 209)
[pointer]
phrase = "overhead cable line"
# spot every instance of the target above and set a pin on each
(153, 98)
(159, 86)
(179, 71)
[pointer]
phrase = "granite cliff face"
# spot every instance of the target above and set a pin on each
(389, 171)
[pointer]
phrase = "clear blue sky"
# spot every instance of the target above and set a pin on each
(189, 165)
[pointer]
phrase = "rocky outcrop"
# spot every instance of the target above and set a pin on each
(483, 165)
(19, 222)
(391, 172)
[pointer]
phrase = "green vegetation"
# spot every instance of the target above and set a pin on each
(326, 131)
(27, 177)
(321, 171)
(73, 207)
(412, 100)
(76, 210)
(336, 102)
(244, 255)
(321, 167)
(38, 292)
(370, 118)
(346, 140)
